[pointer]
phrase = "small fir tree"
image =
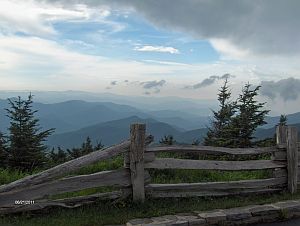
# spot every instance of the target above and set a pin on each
(58, 157)
(218, 133)
(282, 120)
(250, 115)
(26, 150)
(167, 140)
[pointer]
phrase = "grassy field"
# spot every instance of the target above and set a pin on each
(119, 212)
(103, 213)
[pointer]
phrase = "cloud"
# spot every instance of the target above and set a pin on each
(152, 87)
(160, 49)
(37, 17)
(209, 81)
(113, 83)
(263, 27)
(288, 89)
(153, 84)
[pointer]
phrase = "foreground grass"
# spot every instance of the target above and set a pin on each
(120, 212)
(103, 213)
(7, 176)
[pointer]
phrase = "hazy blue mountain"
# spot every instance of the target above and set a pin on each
(110, 132)
(269, 132)
(75, 114)
(115, 131)
(147, 103)
(291, 119)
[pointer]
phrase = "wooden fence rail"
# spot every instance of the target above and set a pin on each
(134, 179)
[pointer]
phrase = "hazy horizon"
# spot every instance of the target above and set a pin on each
(139, 48)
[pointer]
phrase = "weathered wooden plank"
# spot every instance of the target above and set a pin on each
(70, 166)
(212, 150)
(118, 178)
(178, 194)
(292, 158)
(171, 163)
(136, 156)
(67, 202)
(280, 173)
(281, 155)
(283, 146)
(149, 157)
(219, 186)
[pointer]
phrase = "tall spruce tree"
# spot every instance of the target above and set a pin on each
(3, 151)
(250, 115)
(26, 151)
(219, 133)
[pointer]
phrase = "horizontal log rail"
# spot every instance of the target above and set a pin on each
(117, 178)
(171, 163)
(212, 150)
(67, 202)
(217, 186)
(70, 166)
(283, 145)
(181, 194)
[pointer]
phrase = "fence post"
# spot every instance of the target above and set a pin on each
(292, 158)
(281, 135)
(281, 153)
(136, 155)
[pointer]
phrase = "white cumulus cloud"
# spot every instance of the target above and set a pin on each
(161, 49)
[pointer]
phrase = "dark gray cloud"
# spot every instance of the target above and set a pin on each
(153, 84)
(152, 87)
(209, 81)
(262, 26)
(113, 83)
(288, 89)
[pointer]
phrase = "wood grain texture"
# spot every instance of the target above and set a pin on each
(67, 202)
(171, 163)
(220, 186)
(117, 178)
(212, 193)
(292, 158)
(281, 135)
(212, 150)
(136, 156)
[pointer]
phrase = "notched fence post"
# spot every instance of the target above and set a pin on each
(292, 158)
(136, 155)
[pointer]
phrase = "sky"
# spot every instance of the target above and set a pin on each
(180, 48)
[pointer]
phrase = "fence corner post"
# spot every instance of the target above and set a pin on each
(136, 155)
(292, 158)
(281, 135)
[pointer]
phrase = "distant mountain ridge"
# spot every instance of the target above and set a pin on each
(75, 114)
(75, 119)
(113, 132)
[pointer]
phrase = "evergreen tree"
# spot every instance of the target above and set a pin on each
(167, 140)
(26, 151)
(3, 152)
(250, 115)
(58, 157)
(282, 120)
(86, 148)
(219, 133)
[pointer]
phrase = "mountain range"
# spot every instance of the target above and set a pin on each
(112, 132)
(109, 122)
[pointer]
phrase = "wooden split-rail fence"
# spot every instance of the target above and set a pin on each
(133, 180)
